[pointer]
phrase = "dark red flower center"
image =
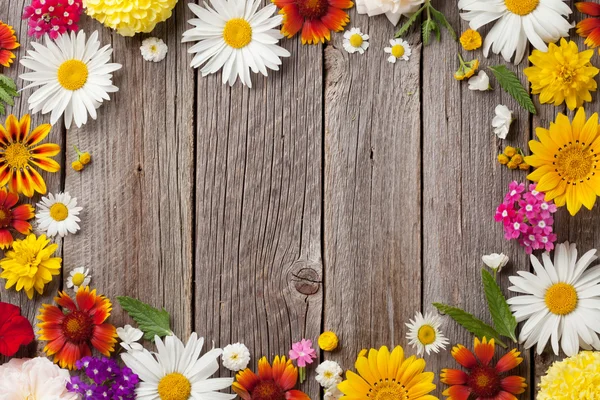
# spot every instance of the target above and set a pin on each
(78, 326)
(484, 381)
(312, 9)
(267, 390)
(5, 217)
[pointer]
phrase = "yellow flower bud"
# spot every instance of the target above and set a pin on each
(77, 165)
(328, 341)
(85, 158)
(517, 159)
(524, 166)
(512, 165)
(510, 151)
(502, 159)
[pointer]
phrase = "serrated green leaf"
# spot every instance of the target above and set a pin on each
(428, 27)
(5, 80)
(504, 321)
(512, 85)
(441, 19)
(468, 321)
(2, 109)
(151, 321)
(5, 97)
(404, 28)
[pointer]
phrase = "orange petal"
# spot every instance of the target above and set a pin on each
(453, 377)
(513, 384)
(38, 134)
(296, 395)
(265, 372)
(24, 127)
(484, 350)
(463, 356)
(509, 361)
(589, 8)
(246, 380)
(458, 392)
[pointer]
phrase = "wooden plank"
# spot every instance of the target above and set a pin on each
(258, 207)
(462, 186)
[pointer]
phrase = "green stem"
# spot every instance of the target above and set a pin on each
(79, 153)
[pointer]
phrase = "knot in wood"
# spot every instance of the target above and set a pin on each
(306, 277)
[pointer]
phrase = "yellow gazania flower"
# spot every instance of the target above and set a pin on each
(384, 375)
(30, 265)
(566, 160)
(562, 74)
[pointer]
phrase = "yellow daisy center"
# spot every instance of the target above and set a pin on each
(521, 7)
(388, 390)
(237, 33)
(426, 334)
(356, 40)
(174, 386)
(78, 278)
(17, 155)
(72, 74)
(153, 48)
(398, 50)
(561, 298)
(574, 162)
(59, 212)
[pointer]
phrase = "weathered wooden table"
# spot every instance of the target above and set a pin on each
(341, 193)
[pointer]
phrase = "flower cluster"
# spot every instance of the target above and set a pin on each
(52, 17)
(513, 158)
(103, 379)
(526, 216)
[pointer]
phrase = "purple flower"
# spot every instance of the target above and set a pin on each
(102, 378)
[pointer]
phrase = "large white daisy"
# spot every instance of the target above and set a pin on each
(561, 302)
(518, 22)
(74, 76)
(235, 37)
(58, 214)
(176, 372)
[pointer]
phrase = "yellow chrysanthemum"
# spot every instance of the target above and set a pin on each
(566, 160)
(562, 74)
(129, 17)
(470, 40)
(576, 377)
(30, 265)
(383, 375)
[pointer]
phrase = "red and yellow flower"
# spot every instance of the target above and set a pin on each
(8, 42)
(589, 28)
(272, 382)
(13, 216)
(483, 381)
(316, 18)
(20, 154)
(71, 331)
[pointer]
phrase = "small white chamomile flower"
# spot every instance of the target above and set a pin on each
(58, 214)
(355, 41)
(153, 49)
(235, 356)
(399, 50)
(79, 277)
(424, 333)
(130, 337)
(502, 120)
(329, 373)
(495, 261)
(480, 82)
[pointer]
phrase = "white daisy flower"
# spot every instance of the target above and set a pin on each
(495, 261)
(355, 41)
(235, 37)
(79, 277)
(518, 22)
(329, 373)
(480, 82)
(236, 356)
(333, 393)
(561, 302)
(177, 372)
(130, 337)
(400, 49)
(154, 49)
(424, 333)
(74, 76)
(58, 215)
(502, 121)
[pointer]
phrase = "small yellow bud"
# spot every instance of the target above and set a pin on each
(328, 341)
(524, 166)
(517, 159)
(502, 159)
(85, 158)
(510, 151)
(77, 165)
(512, 165)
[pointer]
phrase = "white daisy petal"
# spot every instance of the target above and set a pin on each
(58, 214)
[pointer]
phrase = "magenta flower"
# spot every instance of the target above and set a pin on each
(303, 352)
(52, 17)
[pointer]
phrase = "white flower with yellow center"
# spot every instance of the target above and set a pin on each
(58, 214)
(329, 373)
(235, 37)
(399, 50)
(153, 49)
(79, 277)
(177, 372)
(355, 41)
(519, 22)
(236, 356)
(74, 77)
(561, 302)
(424, 334)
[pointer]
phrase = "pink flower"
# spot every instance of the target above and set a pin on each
(514, 191)
(53, 17)
(303, 352)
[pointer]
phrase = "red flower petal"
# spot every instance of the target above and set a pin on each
(513, 384)
(296, 395)
(589, 8)
(15, 330)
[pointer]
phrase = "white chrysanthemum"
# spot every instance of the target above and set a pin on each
(74, 76)
(235, 37)
(424, 333)
(333, 393)
(480, 82)
(393, 9)
(329, 373)
(36, 378)
(399, 50)
(495, 261)
(177, 372)
(129, 338)
(502, 121)
(153, 49)
(518, 22)
(58, 215)
(355, 41)
(561, 302)
(236, 356)
(79, 277)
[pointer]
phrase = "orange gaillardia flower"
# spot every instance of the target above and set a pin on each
(20, 153)
(483, 381)
(8, 42)
(589, 28)
(271, 383)
(71, 330)
(13, 216)
(316, 18)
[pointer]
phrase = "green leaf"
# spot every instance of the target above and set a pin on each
(149, 319)
(512, 85)
(404, 28)
(5, 80)
(504, 321)
(7, 92)
(429, 26)
(476, 326)
(441, 19)
(6, 97)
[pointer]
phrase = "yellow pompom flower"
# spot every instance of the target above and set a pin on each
(470, 40)
(576, 377)
(563, 74)
(30, 265)
(328, 341)
(129, 17)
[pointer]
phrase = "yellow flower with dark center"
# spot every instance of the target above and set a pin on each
(470, 40)
(566, 161)
(563, 74)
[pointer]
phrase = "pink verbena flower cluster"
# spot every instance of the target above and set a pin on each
(53, 17)
(527, 217)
